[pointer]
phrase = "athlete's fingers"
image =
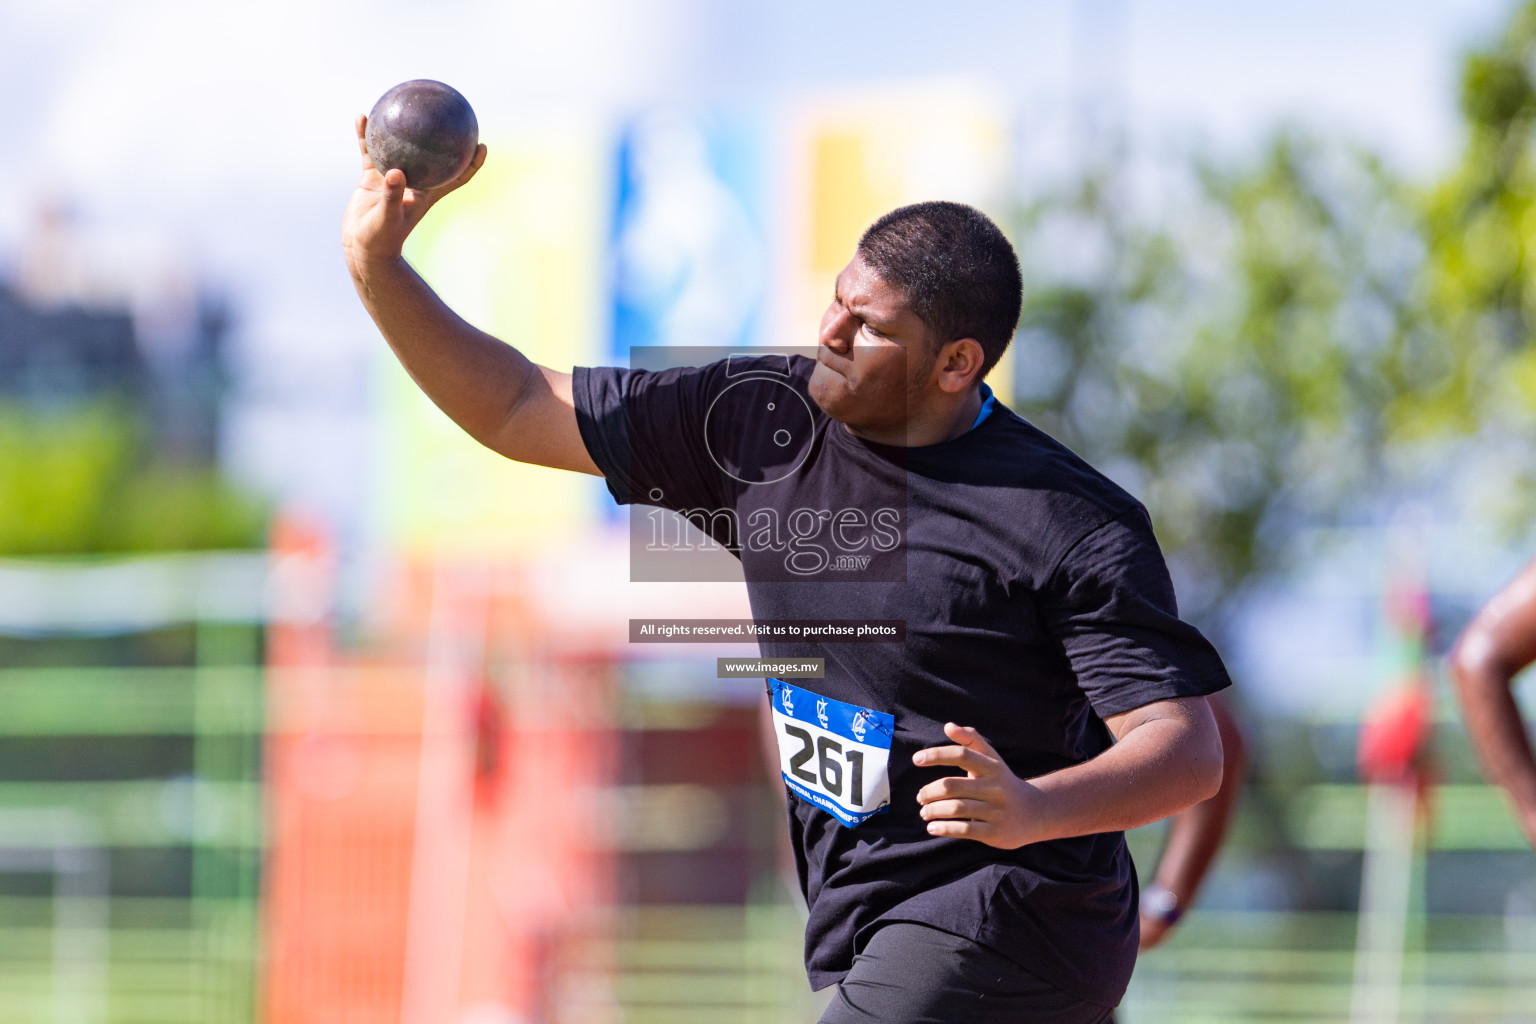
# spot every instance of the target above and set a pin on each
(975, 810)
(425, 197)
(953, 786)
(981, 831)
(968, 737)
(475, 163)
(360, 123)
(973, 761)
(394, 187)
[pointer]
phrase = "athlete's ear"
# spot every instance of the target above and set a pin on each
(959, 364)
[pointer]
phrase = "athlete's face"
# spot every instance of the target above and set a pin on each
(872, 355)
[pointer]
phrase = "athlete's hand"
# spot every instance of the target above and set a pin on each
(988, 803)
(383, 211)
(1153, 931)
(1528, 825)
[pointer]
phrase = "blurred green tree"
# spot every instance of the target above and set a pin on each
(1236, 358)
(83, 479)
(1480, 228)
(1281, 344)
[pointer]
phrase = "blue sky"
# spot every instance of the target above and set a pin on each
(1223, 72)
(229, 129)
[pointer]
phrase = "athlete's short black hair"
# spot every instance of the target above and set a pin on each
(960, 274)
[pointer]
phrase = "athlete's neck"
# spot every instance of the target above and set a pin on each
(942, 419)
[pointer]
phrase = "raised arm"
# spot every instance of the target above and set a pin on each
(501, 398)
(1499, 642)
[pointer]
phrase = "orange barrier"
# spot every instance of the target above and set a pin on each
(437, 844)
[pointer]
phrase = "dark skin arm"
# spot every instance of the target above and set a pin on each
(1498, 643)
(498, 396)
(1166, 757)
(1195, 834)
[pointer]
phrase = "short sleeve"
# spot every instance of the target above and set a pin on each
(644, 430)
(1111, 606)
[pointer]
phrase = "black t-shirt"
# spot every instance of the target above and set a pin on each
(1036, 604)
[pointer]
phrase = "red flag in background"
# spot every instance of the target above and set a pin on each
(1394, 760)
(1395, 732)
(1394, 735)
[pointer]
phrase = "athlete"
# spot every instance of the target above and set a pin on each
(1499, 642)
(958, 794)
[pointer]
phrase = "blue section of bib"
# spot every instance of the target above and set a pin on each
(861, 725)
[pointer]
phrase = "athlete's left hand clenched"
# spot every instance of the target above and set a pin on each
(988, 803)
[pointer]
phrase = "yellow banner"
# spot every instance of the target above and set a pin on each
(518, 253)
(853, 158)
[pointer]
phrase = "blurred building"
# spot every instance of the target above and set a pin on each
(93, 316)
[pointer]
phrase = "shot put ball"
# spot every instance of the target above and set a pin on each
(425, 128)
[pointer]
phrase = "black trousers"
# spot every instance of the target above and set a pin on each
(914, 974)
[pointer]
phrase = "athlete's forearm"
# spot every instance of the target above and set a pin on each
(1195, 833)
(1167, 757)
(477, 380)
(1493, 722)
(1159, 766)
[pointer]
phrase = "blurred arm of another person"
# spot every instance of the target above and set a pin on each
(1496, 645)
(497, 395)
(1194, 836)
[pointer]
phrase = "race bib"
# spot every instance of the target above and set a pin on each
(832, 754)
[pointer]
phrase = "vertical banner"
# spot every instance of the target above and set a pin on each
(688, 249)
(518, 253)
(853, 158)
